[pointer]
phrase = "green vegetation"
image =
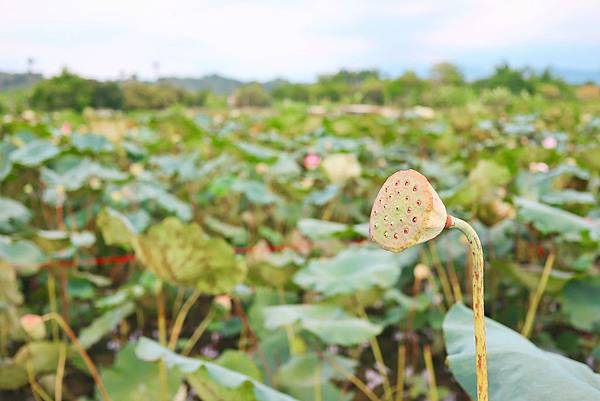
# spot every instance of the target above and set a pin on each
(445, 87)
(223, 253)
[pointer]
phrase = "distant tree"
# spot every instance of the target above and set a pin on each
(447, 74)
(349, 77)
(251, 95)
(291, 91)
(551, 86)
(144, 96)
(107, 95)
(407, 89)
(197, 98)
(138, 96)
(65, 91)
(515, 80)
(373, 92)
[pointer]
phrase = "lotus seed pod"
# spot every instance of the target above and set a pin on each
(407, 211)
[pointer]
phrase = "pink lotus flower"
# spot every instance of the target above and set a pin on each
(549, 142)
(312, 161)
(65, 129)
(538, 167)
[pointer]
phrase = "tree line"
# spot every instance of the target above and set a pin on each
(444, 86)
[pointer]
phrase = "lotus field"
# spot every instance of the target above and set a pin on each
(225, 254)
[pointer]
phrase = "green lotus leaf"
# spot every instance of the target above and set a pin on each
(321, 229)
(569, 196)
(116, 228)
(257, 153)
(94, 143)
(353, 269)
(10, 301)
(211, 381)
(41, 356)
(302, 373)
(184, 166)
(5, 162)
(104, 324)
(328, 322)
(256, 192)
(240, 362)
(22, 254)
(530, 275)
(300, 370)
(12, 215)
(517, 369)
(238, 235)
(132, 379)
(34, 153)
(272, 268)
(74, 174)
(581, 302)
(549, 220)
(140, 191)
(185, 255)
(321, 197)
(82, 239)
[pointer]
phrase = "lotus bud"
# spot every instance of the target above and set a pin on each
(407, 211)
(224, 301)
(422, 271)
(34, 326)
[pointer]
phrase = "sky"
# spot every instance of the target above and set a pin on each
(298, 40)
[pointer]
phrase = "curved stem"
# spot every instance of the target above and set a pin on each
(37, 391)
(354, 380)
(189, 346)
(82, 352)
(537, 296)
(180, 319)
(476, 252)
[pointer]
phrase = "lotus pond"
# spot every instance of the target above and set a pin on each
(225, 255)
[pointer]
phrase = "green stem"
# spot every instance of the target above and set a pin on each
(318, 394)
(537, 296)
(442, 275)
(36, 389)
(82, 352)
(400, 373)
(52, 302)
(354, 380)
(387, 388)
(476, 252)
(180, 319)
(60, 372)
(198, 332)
(289, 328)
(162, 336)
(433, 391)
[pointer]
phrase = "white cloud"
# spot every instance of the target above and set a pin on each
(267, 38)
(488, 23)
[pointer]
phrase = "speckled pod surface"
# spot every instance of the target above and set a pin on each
(407, 211)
